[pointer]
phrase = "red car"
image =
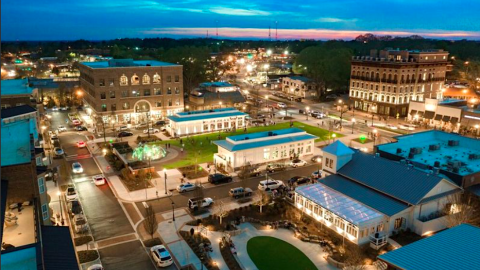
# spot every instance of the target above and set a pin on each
(81, 144)
(76, 122)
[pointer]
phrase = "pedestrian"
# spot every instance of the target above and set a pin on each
(181, 141)
(322, 123)
(181, 149)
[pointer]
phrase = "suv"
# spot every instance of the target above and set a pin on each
(240, 192)
(268, 185)
(298, 180)
(276, 167)
(251, 173)
(217, 178)
(195, 203)
(122, 128)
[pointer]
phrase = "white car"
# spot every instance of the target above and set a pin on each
(391, 126)
(407, 127)
(95, 267)
(317, 174)
(63, 108)
(140, 125)
(62, 128)
(281, 105)
(186, 187)
(298, 163)
(71, 194)
(122, 128)
(55, 108)
(268, 185)
(58, 151)
(77, 167)
(152, 130)
(194, 203)
(99, 180)
(161, 256)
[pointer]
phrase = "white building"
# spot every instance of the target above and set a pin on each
(194, 122)
(263, 147)
(299, 86)
(436, 113)
(366, 198)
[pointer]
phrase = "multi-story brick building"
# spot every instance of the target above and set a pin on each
(385, 82)
(130, 91)
(299, 86)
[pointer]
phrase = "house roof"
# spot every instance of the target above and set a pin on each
(256, 144)
(58, 251)
(367, 196)
(390, 177)
(338, 149)
(205, 116)
(16, 87)
(455, 248)
(18, 110)
(338, 203)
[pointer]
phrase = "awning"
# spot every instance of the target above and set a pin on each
(438, 117)
(413, 112)
(454, 120)
(429, 114)
(446, 118)
(420, 113)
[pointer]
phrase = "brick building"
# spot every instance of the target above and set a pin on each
(385, 82)
(130, 91)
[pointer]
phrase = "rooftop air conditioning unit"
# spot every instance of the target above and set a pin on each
(453, 143)
(434, 147)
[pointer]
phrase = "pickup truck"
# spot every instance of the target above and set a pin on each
(196, 203)
(240, 192)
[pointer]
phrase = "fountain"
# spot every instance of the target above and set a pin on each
(143, 151)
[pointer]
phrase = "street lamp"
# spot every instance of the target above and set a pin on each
(60, 202)
(374, 137)
(149, 176)
(319, 161)
(173, 211)
(353, 124)
(104, 150)
(373, 108)
(220, 103)
(306, 111)
(186, 107)
(165, 177)
(334, 136)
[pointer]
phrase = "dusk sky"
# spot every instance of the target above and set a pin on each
(318, 19)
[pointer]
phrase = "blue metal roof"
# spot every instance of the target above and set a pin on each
(237, 147)
(58, 248)
(395, 179)
(263, 134)
(338, 149)
(16, 143)
(455, 248)
(15, 87)
(194, 117)
(207, 111)
(367, 196)
(216, 84)
(114, 63)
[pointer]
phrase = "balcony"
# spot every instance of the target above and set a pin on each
(378, 240)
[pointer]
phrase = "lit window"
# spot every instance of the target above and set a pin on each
(146, 79)
(44, 211)
(135, 80)
(156, 79)
(123, 80)
(41, 185)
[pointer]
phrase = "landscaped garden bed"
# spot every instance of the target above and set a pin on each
(145, 139)
(191, 173)
(196, 241)
(405, 237)
(135, 182)
(82, 240)
(87, 255)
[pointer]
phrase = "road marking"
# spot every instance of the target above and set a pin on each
(77, 157)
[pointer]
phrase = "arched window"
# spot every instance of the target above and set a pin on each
(395, 77)
(123, 80)
(377, 76)
(384, 77)
(146, 79)
(156, 79)
(389, 77)
(358, 73)
(372, 76)
(135, 80)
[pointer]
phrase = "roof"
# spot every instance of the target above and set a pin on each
(256, 144)
(18, 110)
(455, 248)
(367, 196)
(211, 98)
(205, 116)
(3, 202)
(338, 149)
(216, 84)
(390, 177)
(341, 205)
(15, 141)
(300, 78)
(265, 134)
(122, 63)
(15, 87)
(58, 251)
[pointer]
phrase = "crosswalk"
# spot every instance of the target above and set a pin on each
(78, 157)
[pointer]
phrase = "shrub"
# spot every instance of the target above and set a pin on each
(82, 240)
(152, 242)
(87, 255)
(118, 165)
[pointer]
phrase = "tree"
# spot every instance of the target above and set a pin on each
(261, 199)
(462, 208)
(198, 192)
(150, 223)
(355, 260)
(244, 174)
(194, 145)
(220, 210)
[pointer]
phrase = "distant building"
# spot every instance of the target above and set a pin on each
(194, 122)
(385, 82)
(365, 198)
(441, 114)
(455, 248)
(211, 95)
(299, 86)
(132, 91)
(263, 147)
(453, 155)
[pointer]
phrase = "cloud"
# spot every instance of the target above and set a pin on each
(335, 20)
(239, 11)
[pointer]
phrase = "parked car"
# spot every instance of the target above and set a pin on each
(282, 105)
(77, 167)
(161, 256)
(58, 151)
(81, 144)
(298, 99)
(66, 108)
(122, 128)
(61, 128)
(81, 128)
(151, 130)
(76, 122)
(55, 108)
(298, 163)
(71, 194)
(218, 178)
(390, 126)
(252, 173)
(186, 187)
(99, 180)
(268, 185)
(240, 192)
(317, 174)
(196, 203)
(298, 180)
(276, 167)
(160, 123)
(124, 134)
(407, 127)
(140, 125)
(74, 207)
(316, 158)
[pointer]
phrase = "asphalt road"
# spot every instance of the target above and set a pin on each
(126, 256)
(221, 191)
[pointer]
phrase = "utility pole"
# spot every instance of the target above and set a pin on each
(269, 33)
(216, 26)
(276, 30)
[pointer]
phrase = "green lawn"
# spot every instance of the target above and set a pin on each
(272, 253)
(205, 148)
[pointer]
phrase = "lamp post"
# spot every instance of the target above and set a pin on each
(186, 107)
(173, 211)
(353, 124)
(334, 136)
(306, 111)
(266, 104)
(319, 161)
(341, 114)
(60, 203)
(374, 132)
(373, 108)
(165, 177)
(149, 176)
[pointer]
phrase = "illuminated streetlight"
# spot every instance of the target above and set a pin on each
(269, 52)
(249, 68)
(374, 137)
(353, 124)
(165, 178)
(285, 52)
(104, 150)
(306, 111)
